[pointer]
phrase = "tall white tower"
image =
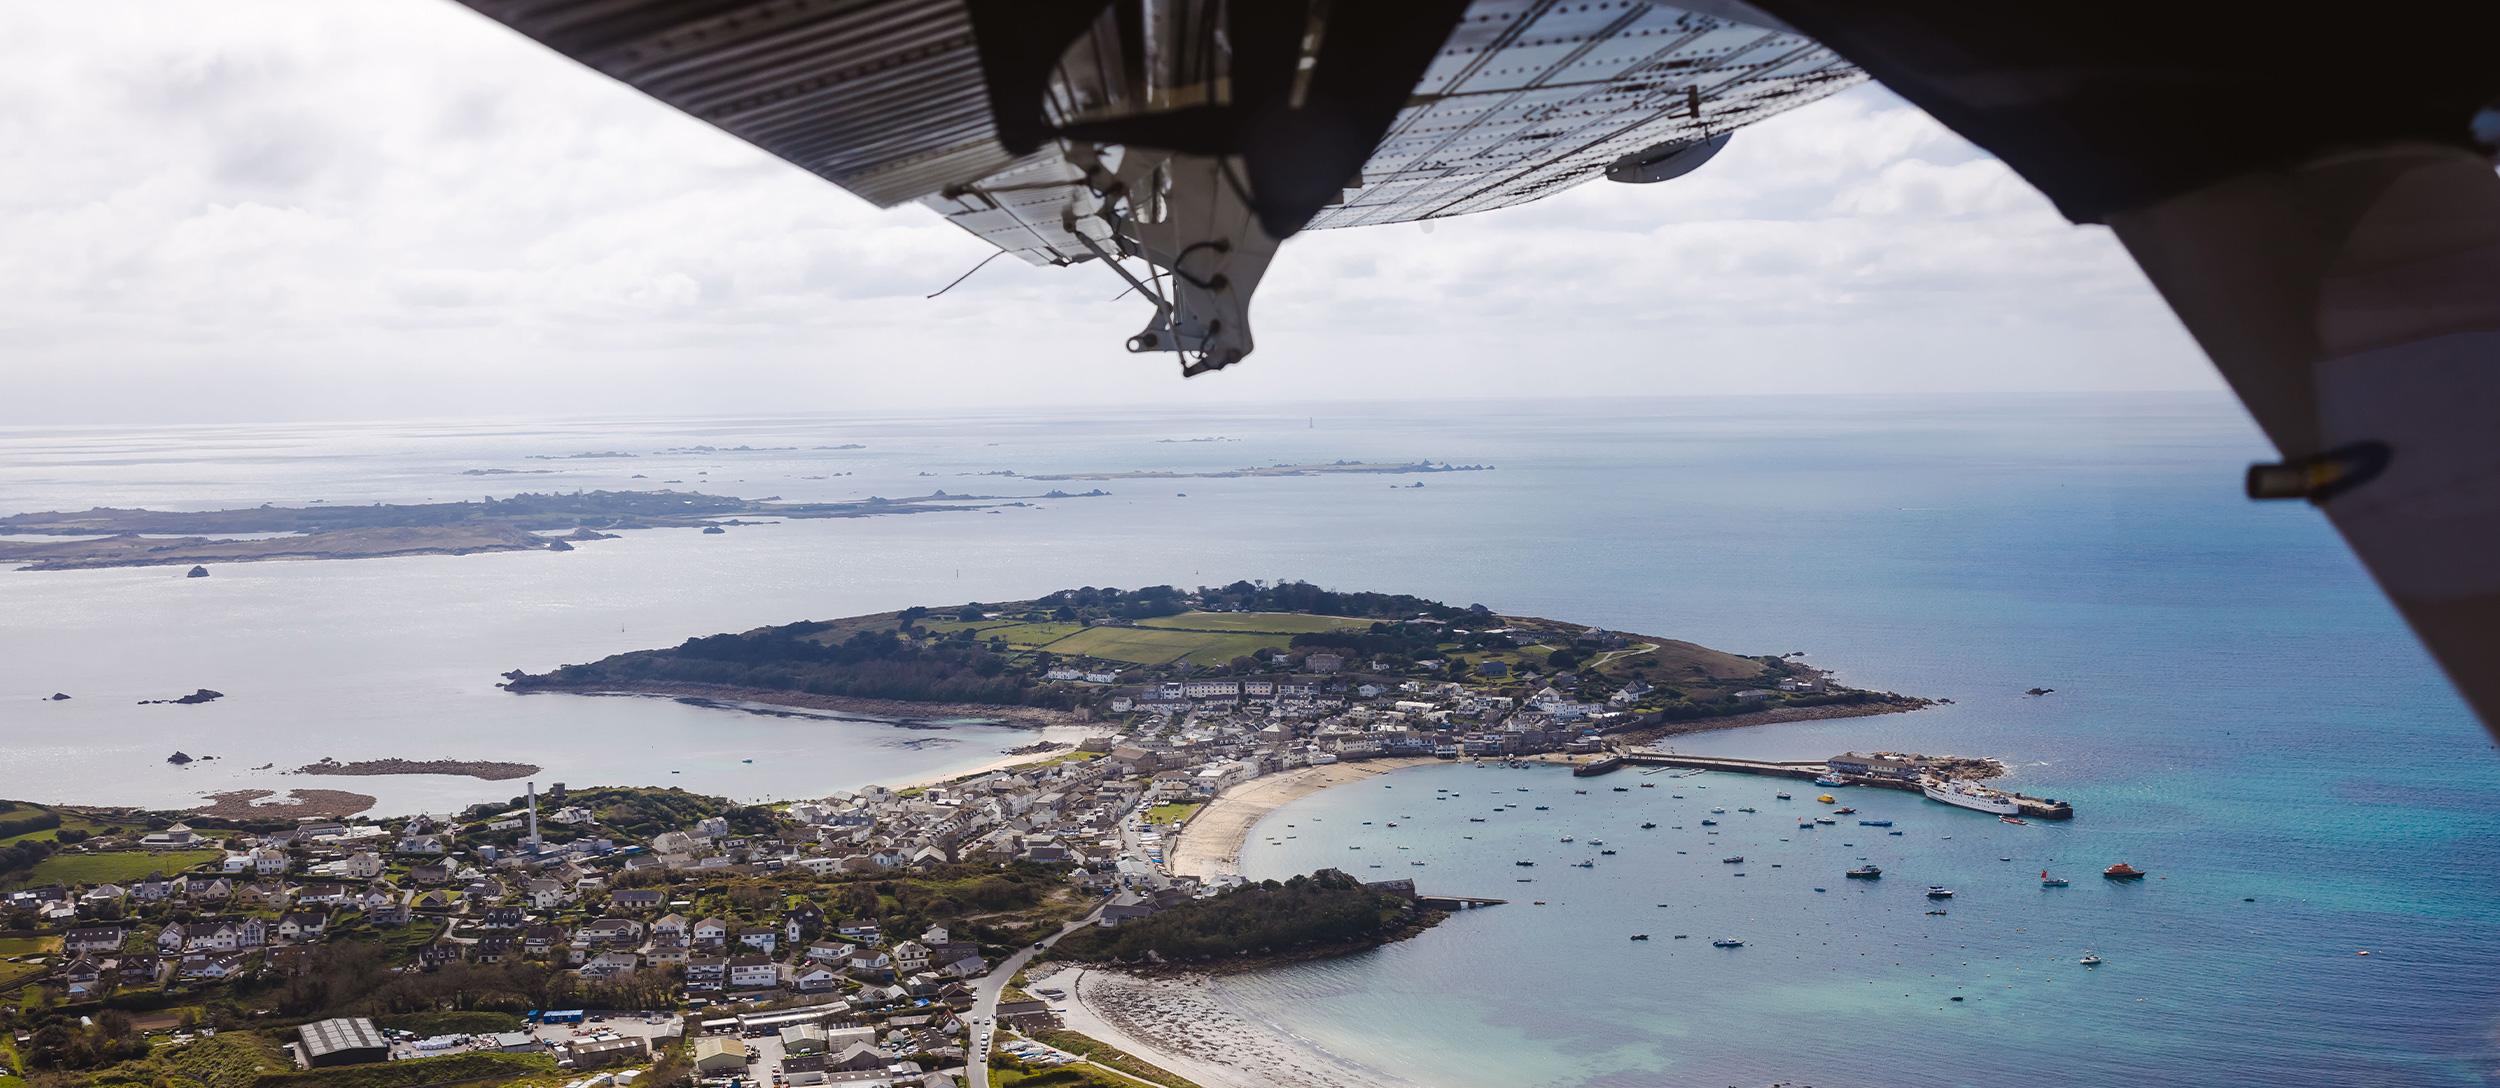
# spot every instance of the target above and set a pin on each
(533, 788)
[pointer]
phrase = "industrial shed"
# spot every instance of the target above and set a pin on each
(344, 1041)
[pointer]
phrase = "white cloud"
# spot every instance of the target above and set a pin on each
(253, 210)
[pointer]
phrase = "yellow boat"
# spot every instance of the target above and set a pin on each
(1826, 799)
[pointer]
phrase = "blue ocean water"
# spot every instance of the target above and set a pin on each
(2237, 710)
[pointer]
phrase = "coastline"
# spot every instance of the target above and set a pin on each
(490, 770)
(1210, 844)
(1067, 735)
(1194, 1028)
(914, 715)
(1768, 717)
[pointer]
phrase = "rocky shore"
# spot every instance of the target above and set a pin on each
(1899, 704)
(903, 713)
(474, 768)
(240, 805)
(369, 543)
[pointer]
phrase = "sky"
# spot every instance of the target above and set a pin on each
(257, 210)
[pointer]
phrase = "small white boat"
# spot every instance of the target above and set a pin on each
(1727, 942)
(2089, 960)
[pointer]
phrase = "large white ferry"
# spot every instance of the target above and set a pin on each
(1970, 795)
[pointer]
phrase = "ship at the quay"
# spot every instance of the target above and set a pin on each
(1970, 795)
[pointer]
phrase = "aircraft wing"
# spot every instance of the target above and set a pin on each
(1180, 141)
(2334, 246)
(1528, 99)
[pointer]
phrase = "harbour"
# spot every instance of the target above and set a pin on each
(2035, 807)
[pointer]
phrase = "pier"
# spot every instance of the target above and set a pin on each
(2034, 807)
(1811, 770)
(1457, 902)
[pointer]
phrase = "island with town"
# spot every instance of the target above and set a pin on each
(919, 934)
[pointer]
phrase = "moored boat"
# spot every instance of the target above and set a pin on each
(2089, 960)
(1640, 936)
(1646, 827)
(1738, 859)
(2047, 881)
(1727, 942)
(1969, 795)
(1781, 796)
(1939, 891)
(1867, 872)
(1874, 823)
(1830, 779)
(2123, 871)
(1826, 799)
(2014, 820)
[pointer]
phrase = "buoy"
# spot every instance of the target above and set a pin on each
(2365, 953)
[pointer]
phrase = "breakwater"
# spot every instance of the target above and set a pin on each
(2035, 807)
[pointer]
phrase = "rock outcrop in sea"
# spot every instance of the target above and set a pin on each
(197, 572)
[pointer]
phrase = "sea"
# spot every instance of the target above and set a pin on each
(2235, 708)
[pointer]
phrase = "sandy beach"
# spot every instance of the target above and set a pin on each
(1193, 1027)
(1066, 735)
(1211, 843)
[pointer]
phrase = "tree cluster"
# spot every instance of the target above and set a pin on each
(877, 664)
(67, 1044)
(1305, 597)
(1326, 907)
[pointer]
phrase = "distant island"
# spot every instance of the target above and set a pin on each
(474, 768)
(1441, 673)
(1332, 468)
(107, 537)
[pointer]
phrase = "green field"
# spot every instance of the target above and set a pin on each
(118, 868)
(1025, 636)
(11, 972)
(1174, 812)
(1155, 646)
(10, 810)
(1282, 623)
(29, 946)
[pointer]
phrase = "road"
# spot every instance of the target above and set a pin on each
(985, 1008)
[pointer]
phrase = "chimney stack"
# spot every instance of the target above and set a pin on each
(533, 788)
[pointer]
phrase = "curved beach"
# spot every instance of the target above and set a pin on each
(1210, 844)
(1192, 1027)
